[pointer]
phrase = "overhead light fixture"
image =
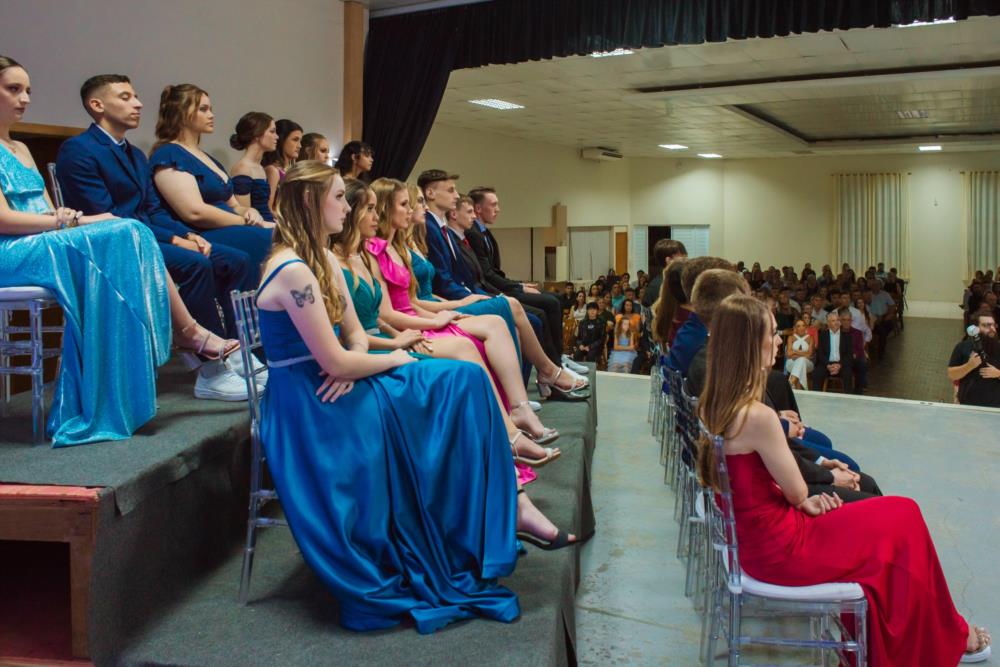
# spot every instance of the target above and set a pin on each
(497, 104)
(709, 155)
(608, 54)
(673, 147)
(950, 19)
(928, 149)
(909, 114)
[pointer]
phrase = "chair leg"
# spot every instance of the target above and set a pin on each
(734, 630)
(4, 362)
(248, 553)
(37, 375)
(861, 634)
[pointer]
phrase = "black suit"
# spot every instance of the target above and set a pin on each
(820, 372)
(465, 253)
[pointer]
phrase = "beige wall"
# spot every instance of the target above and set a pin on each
(284, 58)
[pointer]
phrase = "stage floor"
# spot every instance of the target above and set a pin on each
(631, 607)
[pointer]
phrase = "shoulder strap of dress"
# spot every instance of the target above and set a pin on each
(271, 275)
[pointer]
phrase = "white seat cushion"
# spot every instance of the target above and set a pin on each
(25, 292)
(817, 593)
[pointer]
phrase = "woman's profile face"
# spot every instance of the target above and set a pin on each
(400, 212)
(419, 210)
(335, 207)
(293, 144)
(203, 119)
(15, 94)
(269, 140)
(321, 151)
(368, 224)
(581, 299)
(364, 162)
(771, 342)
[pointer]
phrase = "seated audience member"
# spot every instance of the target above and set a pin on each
(356, 160)
(115, 302)
(545, 307)
(580, 306)
(811, 328)
(193, 186)
(280, 160)
(790, 537)
(692, 335)
(630, 312)
(834, 355)
(664, 252)
(975, 365)
(882, 309)
(595, 292)
(607, 317)
(624, 350)
(817, 310)
(860, 364)
(568, 296)
(784, 313)
(672, 308)
(798, 355)
(640, 288)
(590, 336)
(100, 172)
(256, 135)
(315, 146)
(421, 447)
(639, 275)
(858, 319)
(866, 318)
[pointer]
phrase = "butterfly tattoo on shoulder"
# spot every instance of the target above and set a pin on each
(303, 297)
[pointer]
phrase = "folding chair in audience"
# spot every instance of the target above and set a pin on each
(826, 606)
(248, 327)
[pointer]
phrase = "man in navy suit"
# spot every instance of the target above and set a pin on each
(452, 279)
(100, 172)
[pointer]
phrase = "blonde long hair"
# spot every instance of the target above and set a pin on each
(735, 374)
(386, 190)
(349, 238)
(178, 104)
(298, 212)
(416, 234)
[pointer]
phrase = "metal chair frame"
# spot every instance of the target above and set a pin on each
(248, 328)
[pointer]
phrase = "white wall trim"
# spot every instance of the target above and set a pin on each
(942, 310)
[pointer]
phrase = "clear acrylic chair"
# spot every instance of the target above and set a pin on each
(826, 606)
(248, 328)
(34, 300)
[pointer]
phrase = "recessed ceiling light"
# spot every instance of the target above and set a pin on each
(606, 54)
(497, 104)
(908, 114)
(709, 155)
(927, 149)
(673, 147)
(950, 19)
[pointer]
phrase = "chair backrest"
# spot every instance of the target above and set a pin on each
(57, 194)
(722, 516)
(248, 331)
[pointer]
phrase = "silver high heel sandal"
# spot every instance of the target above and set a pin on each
(548, 434)
(195, 359)
(550, 454)
(548, 389)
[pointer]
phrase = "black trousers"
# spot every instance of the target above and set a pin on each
(820, 373)
(547, 307)
(869, 489)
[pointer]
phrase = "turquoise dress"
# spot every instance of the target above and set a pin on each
(401, 498)
(366, 302)
(110, 280)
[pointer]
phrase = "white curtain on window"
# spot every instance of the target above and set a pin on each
(694, 238)
(589, 252)
(872, 221)
(981, 210)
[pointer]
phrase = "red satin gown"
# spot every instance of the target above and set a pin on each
(881, 543)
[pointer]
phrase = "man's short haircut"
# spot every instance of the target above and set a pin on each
(711, 287)
(695, 267)
(433, 176)
(844, 311)
(95, 83)
(478, 194)
(979, 315)
(593, 304)
(667, 248)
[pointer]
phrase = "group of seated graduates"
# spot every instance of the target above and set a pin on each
(395, 416)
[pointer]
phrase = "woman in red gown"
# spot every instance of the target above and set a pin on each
(791, 539)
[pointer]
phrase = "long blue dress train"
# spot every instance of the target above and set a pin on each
(401, 498)
(110, 280)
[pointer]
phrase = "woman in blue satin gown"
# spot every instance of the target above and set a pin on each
(401, 498)
(109, 279)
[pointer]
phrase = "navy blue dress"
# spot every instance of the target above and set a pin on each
(259, 191)
(400, 494)
(255, 241)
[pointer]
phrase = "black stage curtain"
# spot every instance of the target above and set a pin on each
(410, 56)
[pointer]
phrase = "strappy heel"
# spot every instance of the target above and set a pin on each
(550, 454)
(196, 358)
(558, 542)
(548, 389)
(548, 434)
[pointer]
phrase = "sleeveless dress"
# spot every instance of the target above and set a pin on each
(621, 360)
(401, 498)
(254, 241)
(881, 543)
(259, 191)
(800, 367)
(110, 280)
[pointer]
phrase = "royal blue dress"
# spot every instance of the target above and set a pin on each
(110, 280)
(401, 498)
(259, 191)
(255, 241)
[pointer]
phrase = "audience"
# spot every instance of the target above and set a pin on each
(623, 352)
(279, 160)
(256, 135)
(834, 355)
(356, 160)
(799, 350)
(590, 336)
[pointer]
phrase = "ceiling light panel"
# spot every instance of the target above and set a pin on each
(608, 54)
(673, 147)
(502, 105)
(928, 149)
(710, 156)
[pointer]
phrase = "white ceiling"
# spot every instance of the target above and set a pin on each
(782, 96)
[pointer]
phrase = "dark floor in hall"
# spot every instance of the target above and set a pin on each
(916, 362)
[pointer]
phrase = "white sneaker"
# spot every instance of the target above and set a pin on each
(217, 382)
(535, 405)
(235, 362)
(567, 361)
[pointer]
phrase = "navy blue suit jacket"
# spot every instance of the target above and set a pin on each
(446, 284)
(461, 271)
(96, 176)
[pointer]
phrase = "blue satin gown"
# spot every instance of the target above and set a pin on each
(401, 498)
(110, 280)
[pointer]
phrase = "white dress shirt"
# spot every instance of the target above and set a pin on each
(834, 347)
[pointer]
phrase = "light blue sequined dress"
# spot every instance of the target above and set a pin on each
(110, 280)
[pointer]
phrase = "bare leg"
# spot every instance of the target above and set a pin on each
(531, 520)
(188, 334)
(533, 351)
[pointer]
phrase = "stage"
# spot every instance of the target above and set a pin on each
(153, 528)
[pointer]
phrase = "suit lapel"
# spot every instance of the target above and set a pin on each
(118, 153)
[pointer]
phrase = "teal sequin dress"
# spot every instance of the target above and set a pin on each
(110, 280)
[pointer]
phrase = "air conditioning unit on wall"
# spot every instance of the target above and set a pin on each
(601, 154)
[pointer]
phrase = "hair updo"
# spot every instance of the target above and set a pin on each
(249, 128)
(178, 104)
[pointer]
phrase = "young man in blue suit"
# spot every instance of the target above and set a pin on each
(100, 172)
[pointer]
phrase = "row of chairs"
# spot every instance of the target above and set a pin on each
(707, 543)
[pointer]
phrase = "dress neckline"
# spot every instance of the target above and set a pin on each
(27, 167)
(225, 181)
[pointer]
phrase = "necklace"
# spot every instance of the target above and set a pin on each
(10, 144)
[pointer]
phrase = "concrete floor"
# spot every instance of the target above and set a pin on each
(631, 609)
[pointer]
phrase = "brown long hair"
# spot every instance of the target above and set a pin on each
(671, 298)
(178, 104)
(6, 62)
(298, 212)
(386, 190)
(735, 374)
(416, 234)
(349, 238)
